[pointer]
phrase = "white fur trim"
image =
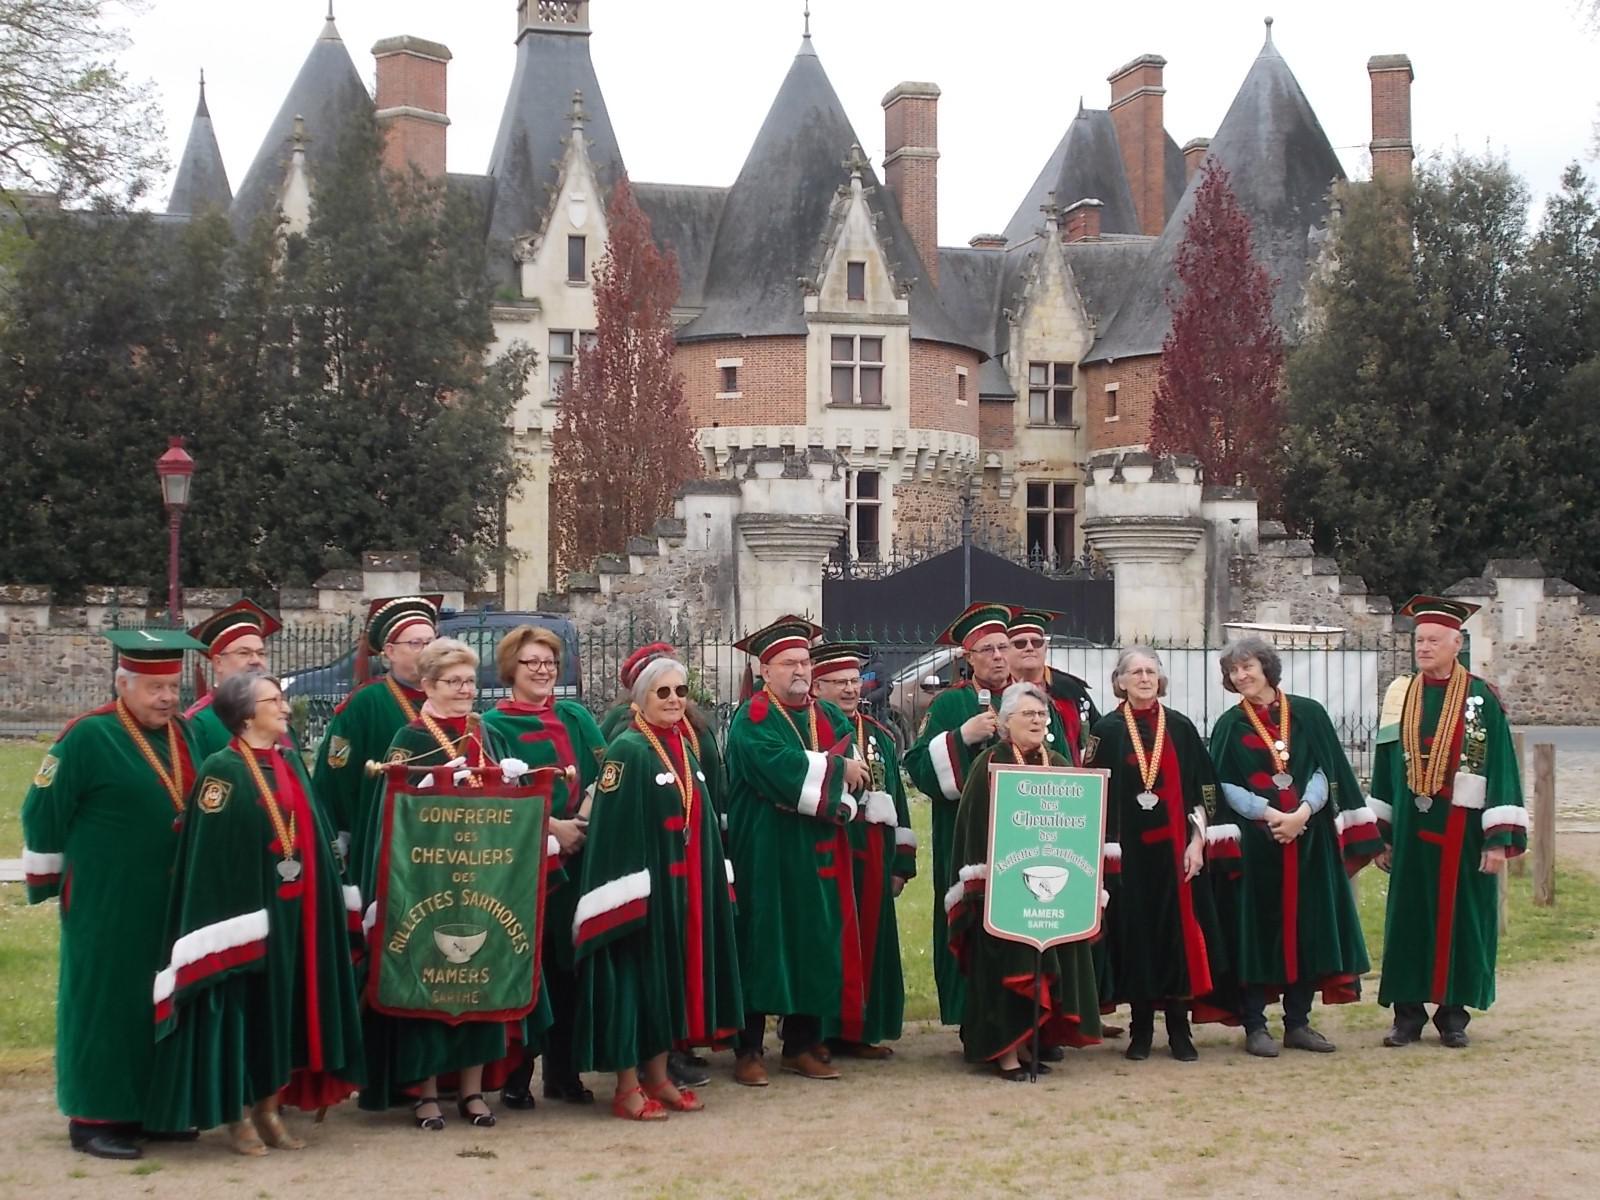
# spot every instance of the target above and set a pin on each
(851, 808)
(1353, 818)
(1222, 833)
(36, 863)
(200, 944)
(944, 763)
(811, 788)
(512, 769)
(1113, 851)
(425, 782)
(729, 867)
(880, 809)
(1505, 816)
(610, 895)
(352, 898)
(904, 837)
(369, 918)
(552, 848)
(959, 887)
(1469, 790)
(1381, 809)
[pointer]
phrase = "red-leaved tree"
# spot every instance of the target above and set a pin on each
(1222, 362)
(624, 443)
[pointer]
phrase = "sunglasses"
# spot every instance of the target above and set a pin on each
(1026, 643)
(664, 692)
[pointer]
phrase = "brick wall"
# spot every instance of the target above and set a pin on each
(1136, 394)
(772, 381)
(1391, 148)
(925, 510)
(412, 74)
(911, 122)
(1137, 104)
(933, 388)
(996, 429)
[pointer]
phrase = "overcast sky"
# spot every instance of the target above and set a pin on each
(688, 83)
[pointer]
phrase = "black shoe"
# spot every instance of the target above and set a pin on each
(520, 1098)
(1052, 1054)
(483, 1120)
(696, 1059)
(1401, 1035)
(1454, 1039)
(1181, 1047)
(571, 1091)
(1139, 1043)
(433, 1124)
(683, 1072)
(103, 1141)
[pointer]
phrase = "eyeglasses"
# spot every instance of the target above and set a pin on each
(664, 692)
(280, 700)
(459, 685)
(414, 643)
(1026, 643)
(1032, 714)
(538, 664)
(992, 651)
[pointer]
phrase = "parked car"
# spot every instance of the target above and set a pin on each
(322, 688)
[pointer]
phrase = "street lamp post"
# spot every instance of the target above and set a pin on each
(175, 469)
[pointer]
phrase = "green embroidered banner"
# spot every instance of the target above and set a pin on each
(1046, 842)
(460, 903)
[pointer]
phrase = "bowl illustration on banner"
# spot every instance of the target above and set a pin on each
(1044, 882)
(458, 943)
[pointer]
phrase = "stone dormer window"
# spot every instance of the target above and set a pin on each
(855, 274)
(857, 376)
(1050, 388)
(577, 259)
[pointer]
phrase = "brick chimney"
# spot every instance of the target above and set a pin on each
(1391, 76)
(1080, 222)
(1137, 112)
(411, 103)
(1194, 153)
(911, 164)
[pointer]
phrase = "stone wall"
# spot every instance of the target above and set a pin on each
(925, 510)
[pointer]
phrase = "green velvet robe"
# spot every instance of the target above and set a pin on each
(571, 739)
(880, 850)
(658, 963)
(1441, 930)
(403, 1051)
(258, 996)
(712, 759)
(999, 1013)
(1069, 696)
(1275, 898)
(100, 831)
(362, 729)
(799, 944)
(1163, 938)
(938, 763)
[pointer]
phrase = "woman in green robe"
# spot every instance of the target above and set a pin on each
(998, 1021)
(657, 956)
(257, 1006)
(1297, 828)
(545, 732)
(411, 1058)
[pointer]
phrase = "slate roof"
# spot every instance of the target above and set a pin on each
(780, 207)
(1104, 271)
(683, 218)
(202, 179)
(1281, 167)
(326, 93)
(535, 126)
(1087, 164)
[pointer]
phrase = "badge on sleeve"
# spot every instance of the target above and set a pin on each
(397, 755)
(1090, 745)
(46, 774)
(338, 751)
(611, 777)
(213, 794)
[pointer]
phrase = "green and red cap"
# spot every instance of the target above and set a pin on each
(391, 616)
(786, 633)
(1031, 620)
(976, 623)
(1436, 610)
(628, 673)
(833, 657)
(226, 626)
(152, 651)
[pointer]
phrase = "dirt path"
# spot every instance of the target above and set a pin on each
(1516, 1114)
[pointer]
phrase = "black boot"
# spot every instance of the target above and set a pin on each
(103, 1141)
(1141, 1033)
(1179, 1042)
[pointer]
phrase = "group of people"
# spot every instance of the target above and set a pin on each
(216, 896)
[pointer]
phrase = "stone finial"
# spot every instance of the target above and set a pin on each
(1051, 210)
(807, 32)
(299, 135)
(856, 161)
(579, 116)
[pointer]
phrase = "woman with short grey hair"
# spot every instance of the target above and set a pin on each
(1299, 827)
(1164, 942)
(1011, 698)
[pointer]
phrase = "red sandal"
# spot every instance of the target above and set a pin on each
(651, 1110)
(687, 1101)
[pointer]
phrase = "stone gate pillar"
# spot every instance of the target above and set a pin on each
(1144, 517)
(791, 515)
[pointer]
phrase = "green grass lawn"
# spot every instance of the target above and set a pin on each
(18, 761)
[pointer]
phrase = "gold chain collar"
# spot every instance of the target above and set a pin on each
(1428, 780)
(1149, 764)
(172, 782)
(284, 829)
(1277, 747)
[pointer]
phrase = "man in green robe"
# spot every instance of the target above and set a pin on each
(100, 831)
(960, 725)
(1448, 799)
(883, 852)
(792, 784)
(400, 628)
(235, 639)
(1029, 660)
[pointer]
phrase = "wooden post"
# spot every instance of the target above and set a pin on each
(1543, 817)
(1519, 865)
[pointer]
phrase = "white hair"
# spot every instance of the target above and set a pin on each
(1124, 659)
(654, 670)
(1015, 695)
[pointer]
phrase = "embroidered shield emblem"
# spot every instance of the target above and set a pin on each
(611, 777)
(397, 755)
(338, 751)
(1090, 745)
(213, 795)
(46, 774)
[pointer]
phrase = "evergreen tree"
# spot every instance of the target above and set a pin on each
(624, 443)
(1222, 360)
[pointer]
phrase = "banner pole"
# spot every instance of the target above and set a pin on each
(1038, 984)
